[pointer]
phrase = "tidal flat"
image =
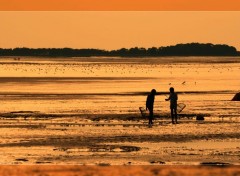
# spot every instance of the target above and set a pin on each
(85, 111)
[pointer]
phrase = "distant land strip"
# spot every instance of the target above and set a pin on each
(188, 49)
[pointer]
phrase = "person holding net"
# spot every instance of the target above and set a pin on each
(173, 105)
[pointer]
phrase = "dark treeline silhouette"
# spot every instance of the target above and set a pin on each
(189, 49)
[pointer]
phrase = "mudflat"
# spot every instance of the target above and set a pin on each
(119, 142)
(79, 114)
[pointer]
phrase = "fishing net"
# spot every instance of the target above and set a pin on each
(143, 111)
(180, 107)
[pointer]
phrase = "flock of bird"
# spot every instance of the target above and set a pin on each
(81, 69)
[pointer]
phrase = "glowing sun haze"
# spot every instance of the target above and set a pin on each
(115, 29)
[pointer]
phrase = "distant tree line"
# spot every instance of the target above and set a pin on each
(189, 49)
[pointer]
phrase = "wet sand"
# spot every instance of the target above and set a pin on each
(119, 142)
(55, 170)
(79, 114)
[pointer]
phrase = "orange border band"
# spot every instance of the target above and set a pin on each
(119, 5)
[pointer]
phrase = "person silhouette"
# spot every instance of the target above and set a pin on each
(149, 106)
(173, 104)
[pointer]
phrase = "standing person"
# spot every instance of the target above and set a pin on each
(149, 106)
(173, 104)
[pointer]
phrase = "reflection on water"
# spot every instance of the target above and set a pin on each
(78, 141)
(118, 85)
(44, 98)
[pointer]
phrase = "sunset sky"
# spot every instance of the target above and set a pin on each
(117, 29)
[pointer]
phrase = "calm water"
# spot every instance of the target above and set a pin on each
(118, 85)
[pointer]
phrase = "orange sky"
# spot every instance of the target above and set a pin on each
(115, 5)
(115, 29)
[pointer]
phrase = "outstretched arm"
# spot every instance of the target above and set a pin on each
(167, 99)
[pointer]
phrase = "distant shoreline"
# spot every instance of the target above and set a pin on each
(76, 57)
(179, 50)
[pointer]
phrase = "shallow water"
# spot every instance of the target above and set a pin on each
(118, 85)
(78, 141)
(85, 111)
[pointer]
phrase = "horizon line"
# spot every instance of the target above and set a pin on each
(139, 47)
